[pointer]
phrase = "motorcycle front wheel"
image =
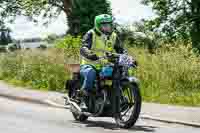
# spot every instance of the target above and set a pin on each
(129, 115)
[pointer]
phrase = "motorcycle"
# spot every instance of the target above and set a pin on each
(115, 93)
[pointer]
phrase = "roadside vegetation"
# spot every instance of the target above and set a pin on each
(170, 75)
(38, 69)
(167, 48)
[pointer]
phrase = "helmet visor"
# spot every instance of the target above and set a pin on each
(106, 27)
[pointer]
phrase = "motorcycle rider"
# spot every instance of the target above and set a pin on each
(95, 43)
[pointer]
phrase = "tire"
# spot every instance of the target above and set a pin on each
(136, 110)
(80, 118)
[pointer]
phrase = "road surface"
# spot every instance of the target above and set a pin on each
(22, 117)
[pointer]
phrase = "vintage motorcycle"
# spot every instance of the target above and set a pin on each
(116, 94)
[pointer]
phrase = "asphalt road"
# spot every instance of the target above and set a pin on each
(22, 117)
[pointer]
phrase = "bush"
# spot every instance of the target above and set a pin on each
(68, 42)
(71, 46)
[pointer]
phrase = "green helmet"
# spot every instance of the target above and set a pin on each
(102, 19)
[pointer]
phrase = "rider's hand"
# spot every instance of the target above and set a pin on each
(135, 63)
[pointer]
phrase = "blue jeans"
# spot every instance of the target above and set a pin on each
(89, 75)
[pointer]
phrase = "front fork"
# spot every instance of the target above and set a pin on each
(116, 98)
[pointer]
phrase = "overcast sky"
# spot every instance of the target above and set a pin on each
(124, 11)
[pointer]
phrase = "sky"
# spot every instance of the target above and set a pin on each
(125, 11)
(130, 10)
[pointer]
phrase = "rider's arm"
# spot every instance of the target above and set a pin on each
(85, 50)
(120, 49)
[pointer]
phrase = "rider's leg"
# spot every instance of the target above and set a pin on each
(89, 75)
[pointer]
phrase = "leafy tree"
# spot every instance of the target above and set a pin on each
(5, 37)
(176, 19)
(84, 12)
(137, 34)
(195, 32)
(8, 10)
(79, 13)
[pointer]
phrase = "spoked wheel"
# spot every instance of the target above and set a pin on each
(130, 106)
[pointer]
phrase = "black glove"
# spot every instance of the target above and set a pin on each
(135, 63)
(93, 57)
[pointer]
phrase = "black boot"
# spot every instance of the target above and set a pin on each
(84, 100)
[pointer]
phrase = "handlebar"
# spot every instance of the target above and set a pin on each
(113, 58)
(109, 55)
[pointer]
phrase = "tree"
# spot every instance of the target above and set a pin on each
(5, 37)
(176, 19)
(195, 32)
(8, 10)
(137, 34)
(84, 12)
(80, 13)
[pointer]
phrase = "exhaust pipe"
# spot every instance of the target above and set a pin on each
(76, 109)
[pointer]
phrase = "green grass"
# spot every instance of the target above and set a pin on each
(43, 70)
(170, 76)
